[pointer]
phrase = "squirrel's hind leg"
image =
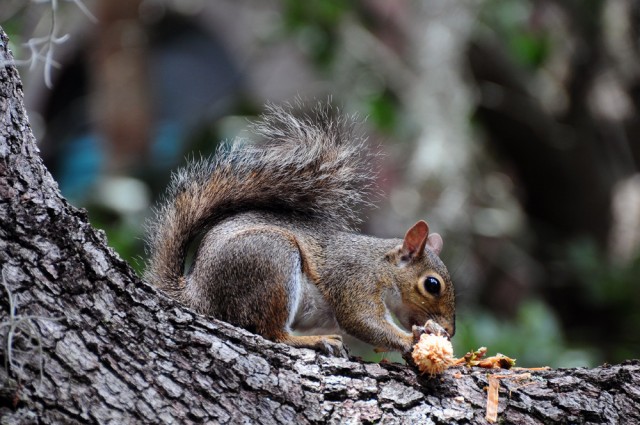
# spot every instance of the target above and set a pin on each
(283, 266)
(253, 278)
(328, 344)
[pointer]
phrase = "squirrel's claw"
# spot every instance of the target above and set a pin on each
(332, 345)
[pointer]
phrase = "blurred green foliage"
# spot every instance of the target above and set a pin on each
(316, 27)
(124, 235)
(510, 21)
(534, 337)
(529, 48)
(315, 24)
(611, 292)
(606, 282)
(383, 111)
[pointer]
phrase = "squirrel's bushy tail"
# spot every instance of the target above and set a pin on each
(312, 167)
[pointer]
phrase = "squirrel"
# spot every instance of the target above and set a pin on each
(278, 251)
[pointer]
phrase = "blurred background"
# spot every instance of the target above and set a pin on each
(512, 126)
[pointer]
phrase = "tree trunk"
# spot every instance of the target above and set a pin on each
(85, 341)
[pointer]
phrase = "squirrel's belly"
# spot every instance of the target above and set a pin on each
(313, 313)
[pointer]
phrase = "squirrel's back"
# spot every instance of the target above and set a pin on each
(311, 167)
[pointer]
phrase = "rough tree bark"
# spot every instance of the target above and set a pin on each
(114, 350)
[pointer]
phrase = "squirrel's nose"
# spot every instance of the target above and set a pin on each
(451, 329)
(450, 326)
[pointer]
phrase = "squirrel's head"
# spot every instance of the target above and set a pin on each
(426, 290)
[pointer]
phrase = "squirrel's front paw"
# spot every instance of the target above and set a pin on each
(327, 344)
(332, 345)
(431, 328)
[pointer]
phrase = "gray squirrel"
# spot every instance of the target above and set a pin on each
(278, 253)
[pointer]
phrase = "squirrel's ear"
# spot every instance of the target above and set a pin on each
(434, 242)
(415, 240)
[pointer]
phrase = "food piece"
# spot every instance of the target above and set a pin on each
(476, 358)
(499, 361)
(492, 400)
(433, 354)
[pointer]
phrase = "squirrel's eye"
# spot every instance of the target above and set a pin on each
(432, 285)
